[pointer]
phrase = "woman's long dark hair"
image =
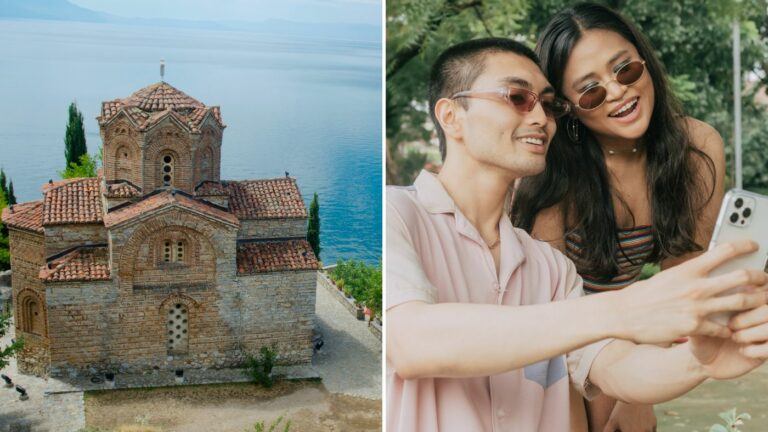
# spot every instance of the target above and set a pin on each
(576, 176)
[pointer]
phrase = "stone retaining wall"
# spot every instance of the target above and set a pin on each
(348, 302)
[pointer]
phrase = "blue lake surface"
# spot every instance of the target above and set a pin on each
(311, 107)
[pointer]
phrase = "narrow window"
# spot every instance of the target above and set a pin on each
(167, 252)
(178, 340)
(167, 170)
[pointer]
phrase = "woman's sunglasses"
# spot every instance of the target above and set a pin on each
(628, 74)
(521, 99)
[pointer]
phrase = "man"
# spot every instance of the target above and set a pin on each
(477, 336)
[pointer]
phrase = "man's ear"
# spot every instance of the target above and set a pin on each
(450, 116)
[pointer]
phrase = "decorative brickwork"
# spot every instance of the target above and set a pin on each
(135, 270)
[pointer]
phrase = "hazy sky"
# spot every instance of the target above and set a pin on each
(337, 11)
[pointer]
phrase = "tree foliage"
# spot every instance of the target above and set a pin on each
(85, 168)
(11, 195)
(5, 255)
(8, 351)
(361, 281)
(313, 228)
(74, 137)
(692, 38)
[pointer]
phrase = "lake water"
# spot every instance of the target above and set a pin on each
(311, 107)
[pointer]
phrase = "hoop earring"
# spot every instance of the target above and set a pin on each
(572, 128)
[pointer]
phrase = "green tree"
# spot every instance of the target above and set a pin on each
(692, 38)
(86, 168)
(3, 183)
(11, 195)
(74, 138)
(9, 351)
(313, 228)
(5, 256)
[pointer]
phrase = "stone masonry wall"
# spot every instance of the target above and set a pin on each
(61, 237)
(272, 228)
(27, 257)
(34, 358)
(123, 326)
(95, 328)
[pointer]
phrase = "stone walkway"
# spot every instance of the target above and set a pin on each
(350, 360)
(349, 363)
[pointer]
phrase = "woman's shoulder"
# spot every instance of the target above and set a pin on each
(704, 137)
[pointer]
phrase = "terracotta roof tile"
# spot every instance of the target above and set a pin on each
(279, 255)
(121, 189)
(266, 199)
(148, 106)
(123, 213)
(209, 187)
(82, 264)
(161, 96)
(27, 216)
(73, 201)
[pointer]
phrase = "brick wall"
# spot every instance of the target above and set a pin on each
(27, 257)
(122, 324)
(96, 325)
(272, 228)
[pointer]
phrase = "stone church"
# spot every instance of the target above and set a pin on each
(158, 263)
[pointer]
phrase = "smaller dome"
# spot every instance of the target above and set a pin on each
(162, 96)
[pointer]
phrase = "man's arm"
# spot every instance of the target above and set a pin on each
(467, 340)
(463, 340)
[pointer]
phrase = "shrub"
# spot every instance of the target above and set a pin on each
(260, 426)
(361, 281)
(260, 369)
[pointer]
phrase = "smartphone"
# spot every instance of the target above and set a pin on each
(743, 215)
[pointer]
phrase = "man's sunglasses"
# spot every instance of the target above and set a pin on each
(521, 99)
(627, 74)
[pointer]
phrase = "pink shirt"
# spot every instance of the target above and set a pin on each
(435, 255)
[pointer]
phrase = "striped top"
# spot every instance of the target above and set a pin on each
(637, 244)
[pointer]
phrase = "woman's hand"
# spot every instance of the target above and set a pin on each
(631, 418)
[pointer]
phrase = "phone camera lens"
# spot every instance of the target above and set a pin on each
(747, 211)
(734, 217)
(738, 203)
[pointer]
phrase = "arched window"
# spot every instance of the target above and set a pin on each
(123, 163)
(167, 169)
(177, 329)
(205, 165)
(30, 316)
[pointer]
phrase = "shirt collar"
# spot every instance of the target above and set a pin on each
(432, 194)
(435, 199)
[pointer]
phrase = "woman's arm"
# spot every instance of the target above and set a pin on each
(708, 140)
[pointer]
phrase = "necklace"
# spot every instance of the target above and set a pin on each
(613, 152)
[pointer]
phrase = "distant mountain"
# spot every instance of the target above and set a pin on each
(62, 10)
(50, 10)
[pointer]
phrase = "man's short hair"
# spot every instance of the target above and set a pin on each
(457, 68)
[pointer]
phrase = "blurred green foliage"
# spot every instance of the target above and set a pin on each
(692, 37)
(360, 281)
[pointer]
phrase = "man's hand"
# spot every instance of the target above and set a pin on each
(745, 350)
(631, 418)
(677, 302)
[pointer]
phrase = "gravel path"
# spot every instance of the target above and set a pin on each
(350, 360)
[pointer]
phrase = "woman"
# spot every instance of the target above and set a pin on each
(629, 179)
